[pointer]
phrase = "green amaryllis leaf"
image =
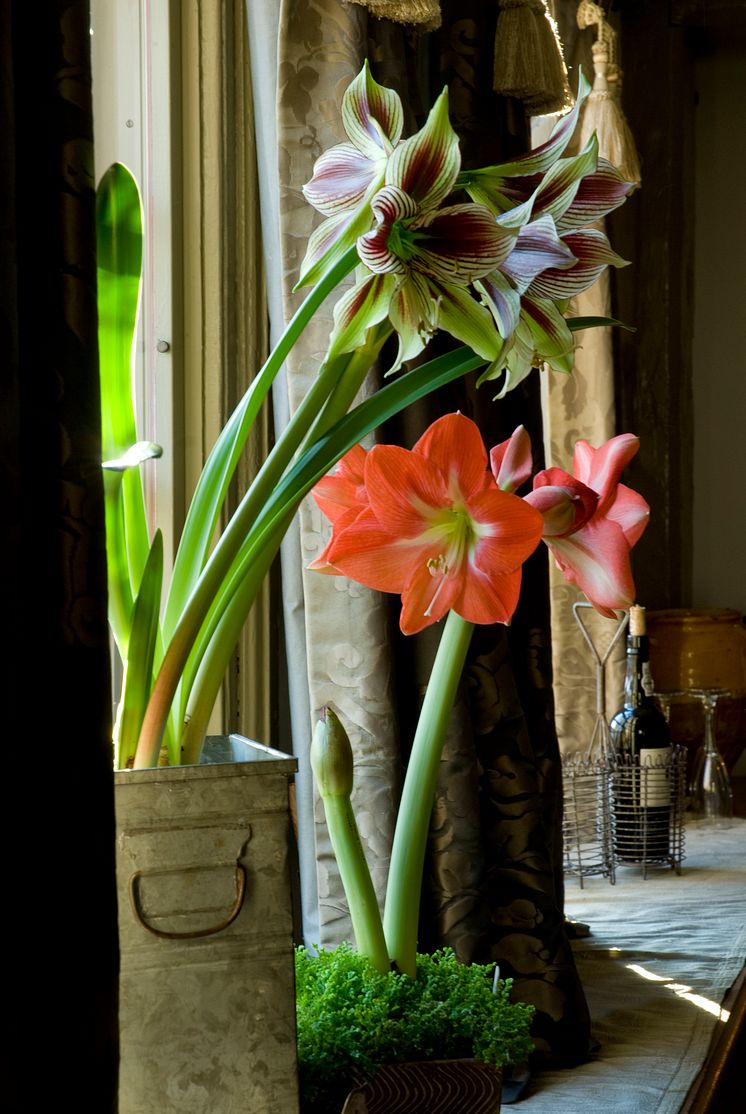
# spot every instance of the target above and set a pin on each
(209, 496)
(121, 598)
(119, 265)
(577, 323)
(138, 672)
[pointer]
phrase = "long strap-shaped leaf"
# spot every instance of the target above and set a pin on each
(209, 496)
(267, 531)
(119, 265)
(138, 674)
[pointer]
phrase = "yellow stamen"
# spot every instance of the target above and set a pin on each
(437, 567)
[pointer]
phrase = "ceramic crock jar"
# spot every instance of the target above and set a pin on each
(700, 649)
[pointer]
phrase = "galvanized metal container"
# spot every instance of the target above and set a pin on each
(207, 994)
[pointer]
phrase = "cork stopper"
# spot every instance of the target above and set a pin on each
(637, 620)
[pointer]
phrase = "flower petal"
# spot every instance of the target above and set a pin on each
(552, 339)
(502, 300)
(389, 205)
(426, 599)
(564, 502)
(467, 320)
(459, 243)
(538, 248)
(601, 469)
(414, 315)
(405, 490)
(364, 305)
(426, 165)
(511, 461)
(344, 488)
(454, 445)
(372, 115)
(632, 513)
(596, 559)
(330, 240)
(373, 556)
(342, 177)
(598, 194)
(488, 599)
(562, 181)
(593, 255)
(541, 158)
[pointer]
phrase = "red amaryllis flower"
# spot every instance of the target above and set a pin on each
(434, 526)
(591, 521)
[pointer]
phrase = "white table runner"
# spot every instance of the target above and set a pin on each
(662, 954)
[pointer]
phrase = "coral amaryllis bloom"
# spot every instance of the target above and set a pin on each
(591, 521)
(434, 527)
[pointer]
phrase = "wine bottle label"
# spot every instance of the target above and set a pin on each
(655, 772)
(648, 685)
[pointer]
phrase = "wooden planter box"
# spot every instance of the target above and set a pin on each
(207, 990)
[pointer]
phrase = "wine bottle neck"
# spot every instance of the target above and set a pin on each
(638, 681)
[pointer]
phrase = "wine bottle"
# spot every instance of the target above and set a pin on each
(642, 742)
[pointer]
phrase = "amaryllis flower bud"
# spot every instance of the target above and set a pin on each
(331, 757)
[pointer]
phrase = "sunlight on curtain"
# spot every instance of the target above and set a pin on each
(580, 406)
(224, 310)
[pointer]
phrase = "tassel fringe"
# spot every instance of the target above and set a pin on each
(422, 14)
(602, 112)
(528, 58)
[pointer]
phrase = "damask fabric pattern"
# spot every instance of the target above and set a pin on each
(321, 46)
(494, 886)
(580, 406)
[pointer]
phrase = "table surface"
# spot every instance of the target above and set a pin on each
(662, 953)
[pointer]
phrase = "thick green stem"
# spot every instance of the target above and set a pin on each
(356, 881)
(333, 764)
(413, 823)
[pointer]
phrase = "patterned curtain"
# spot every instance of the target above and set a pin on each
(60, 947)
(494, 886)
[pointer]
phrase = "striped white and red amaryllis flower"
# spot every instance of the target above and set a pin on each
(497, 272)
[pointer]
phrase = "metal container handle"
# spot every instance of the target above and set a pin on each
(195, 933)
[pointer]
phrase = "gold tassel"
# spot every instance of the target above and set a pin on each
(602, 112)
(528, 58)
(423, 14)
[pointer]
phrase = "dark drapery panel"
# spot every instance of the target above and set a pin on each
(494, 890)
(60, 951)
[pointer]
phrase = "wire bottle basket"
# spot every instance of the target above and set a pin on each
(615, 810)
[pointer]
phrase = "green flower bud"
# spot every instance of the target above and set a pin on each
(331, 757)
